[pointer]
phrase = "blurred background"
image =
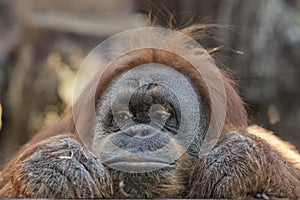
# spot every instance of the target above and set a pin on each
(42, 44)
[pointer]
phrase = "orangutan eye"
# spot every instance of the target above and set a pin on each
(161, 115)
(123, 116)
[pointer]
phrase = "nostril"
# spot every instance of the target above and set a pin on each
(144, 133)
(141, 131)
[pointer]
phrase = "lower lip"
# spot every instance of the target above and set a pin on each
(140, 167)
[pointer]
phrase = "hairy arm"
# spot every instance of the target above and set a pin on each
(243, 165)
(59, 167)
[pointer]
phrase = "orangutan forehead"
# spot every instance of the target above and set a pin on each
(150, 73)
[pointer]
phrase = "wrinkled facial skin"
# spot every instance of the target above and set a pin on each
(142, 131)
